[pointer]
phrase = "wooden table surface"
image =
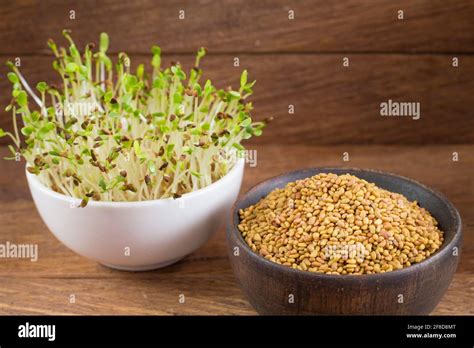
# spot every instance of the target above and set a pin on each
(205, 277)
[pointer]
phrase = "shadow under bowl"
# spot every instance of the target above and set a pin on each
(274, 289)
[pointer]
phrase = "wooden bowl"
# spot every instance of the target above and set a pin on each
(273, 289)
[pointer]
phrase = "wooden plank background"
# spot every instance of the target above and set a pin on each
(244, 25)
(297, 62)
(341, 105)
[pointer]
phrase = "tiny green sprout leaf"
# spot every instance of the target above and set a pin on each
(187, 149)
(74, 52)
(41, 134)
(104, 42)
(71, 67)
(13, 77)
(52, 45)
(201, 53)
(27, 130)
(136, 148)
(246, 122)
(140, 71)
(234, 94)
(108, 96)
(22, 98)
(152, 167)
(2, 133)
(177, 98)
(243, 78)
(102, 184)
(130, 81)
(42, 87)
(238, 146)
(169, 149)
(156, 60)
(156, 50)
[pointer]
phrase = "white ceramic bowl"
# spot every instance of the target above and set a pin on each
(138, 236)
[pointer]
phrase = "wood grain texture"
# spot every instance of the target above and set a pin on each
(205, 277)
(244, 25)
(332, 104)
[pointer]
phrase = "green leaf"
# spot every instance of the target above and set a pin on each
(2, 133)
(234, 95)
(45, 130)
(181, 74)
(196, 174)
(177, 98)
(27, 130)
(35, 116)
(104, 42)
(176, 70)
(246, 122)
(22, 98)
(243, 78)
(71, 67)
(137, 148)
(52, 45)
(74, 52)
(13, 77)
(198, 89)
(257, 132)
(140, 71)
(156, 50)
(152, 167)
(157, 83)
(102, 184)
(108, 96)
(49, 126)
(42, 87)
(130, 81)
(201, 53)
(187, 149)
(169, 148)
(238, 146)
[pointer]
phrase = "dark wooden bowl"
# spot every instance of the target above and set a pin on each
(273, 289)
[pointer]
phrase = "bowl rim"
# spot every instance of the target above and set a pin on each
(444, 249)
(33, 180)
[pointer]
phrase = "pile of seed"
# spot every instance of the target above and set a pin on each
(339, 224)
